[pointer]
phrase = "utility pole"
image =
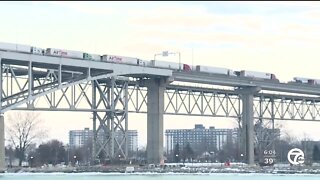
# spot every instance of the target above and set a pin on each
(192, 59)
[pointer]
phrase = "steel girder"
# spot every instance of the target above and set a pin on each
(24, 84)
(179, 100)
(110, 131)
(182, 100)
(288, 108)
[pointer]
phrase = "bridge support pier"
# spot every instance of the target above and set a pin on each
(155, 107)
(247, 127)
(247, 122)
(2, 152)
(110, 128)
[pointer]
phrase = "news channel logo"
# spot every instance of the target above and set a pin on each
(296, 156)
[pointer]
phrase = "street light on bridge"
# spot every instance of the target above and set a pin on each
(167, 53)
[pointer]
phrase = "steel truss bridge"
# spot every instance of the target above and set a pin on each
(112, 91)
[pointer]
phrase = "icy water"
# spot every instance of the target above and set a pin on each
(100, 176)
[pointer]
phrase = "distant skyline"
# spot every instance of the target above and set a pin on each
(277, 37)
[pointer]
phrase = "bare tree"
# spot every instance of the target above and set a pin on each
(265, 135)
(23, 129)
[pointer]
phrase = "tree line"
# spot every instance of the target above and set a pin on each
(25, 128)
(230, 152)
(52, 152)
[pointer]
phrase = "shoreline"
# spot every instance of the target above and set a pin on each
(155, 174)
(166, 171)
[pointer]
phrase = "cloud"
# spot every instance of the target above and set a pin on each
(188, 24)
(192, 18)
(254, 40)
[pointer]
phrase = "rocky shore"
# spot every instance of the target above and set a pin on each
(165, 169)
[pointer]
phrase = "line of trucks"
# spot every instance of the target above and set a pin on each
(152, 63)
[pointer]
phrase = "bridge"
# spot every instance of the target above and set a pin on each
(111, 91)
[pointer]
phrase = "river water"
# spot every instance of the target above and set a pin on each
(146, 176)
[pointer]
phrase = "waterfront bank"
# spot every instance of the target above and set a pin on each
(156, 176)
(165, 169)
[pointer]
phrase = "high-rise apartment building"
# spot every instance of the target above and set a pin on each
(200, 138)
(79, 138)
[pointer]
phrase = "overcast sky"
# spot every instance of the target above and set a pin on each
(277, 37)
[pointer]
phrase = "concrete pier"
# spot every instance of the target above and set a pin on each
(2, 152)
(155, 103)
(247, 95)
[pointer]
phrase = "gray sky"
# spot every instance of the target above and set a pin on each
(276, 37)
